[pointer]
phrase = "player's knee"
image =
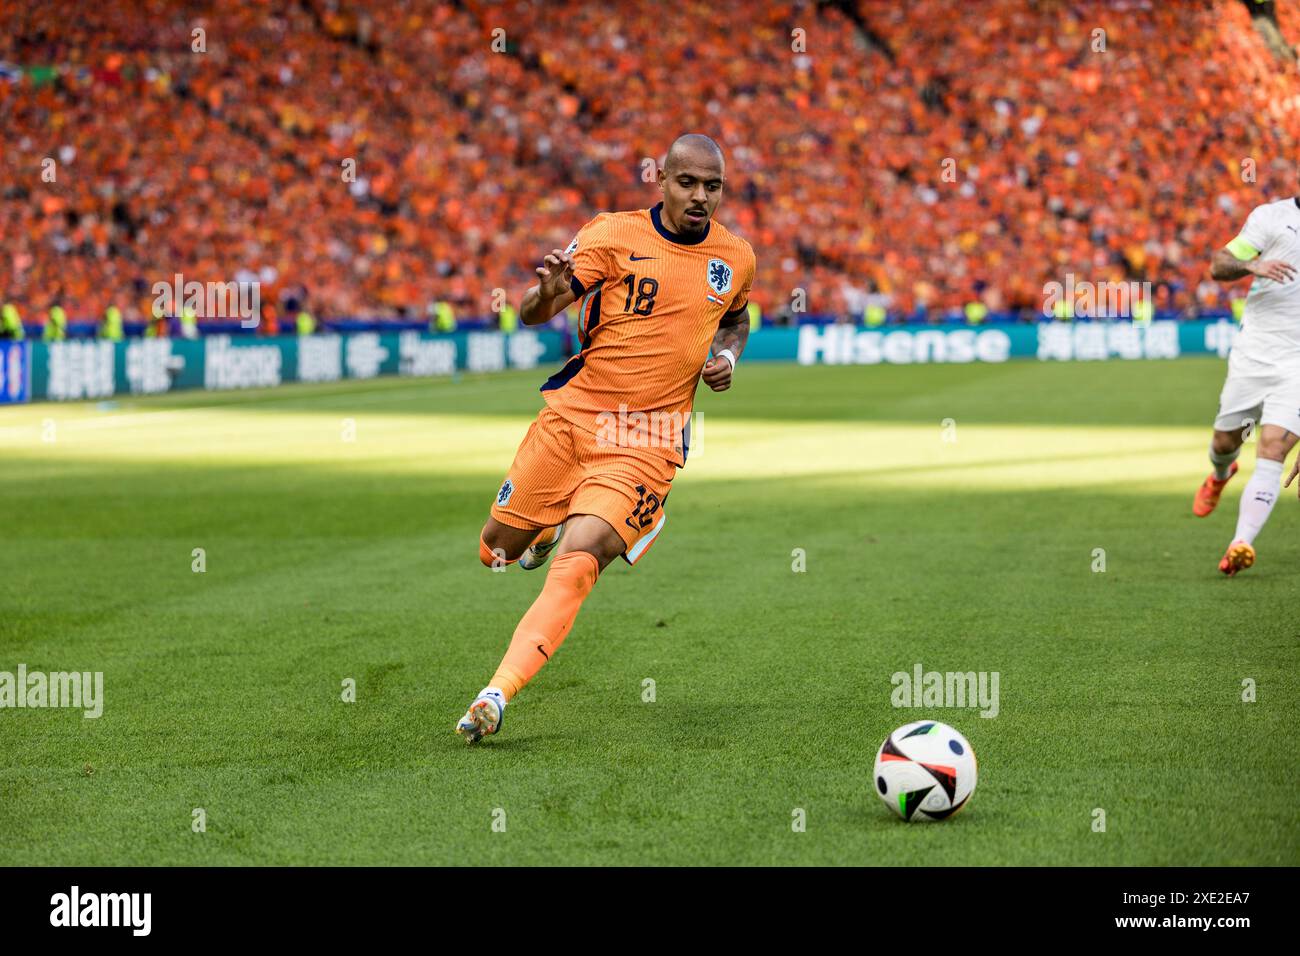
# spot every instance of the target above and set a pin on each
(596, 536)
(1225, 442)
(604, 550)
(601, 556)
(1272, 448)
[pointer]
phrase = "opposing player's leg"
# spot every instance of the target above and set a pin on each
(1241, 400)
(1259, 495)
(1225, 446)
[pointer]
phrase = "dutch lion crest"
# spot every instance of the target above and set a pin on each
(719, 277)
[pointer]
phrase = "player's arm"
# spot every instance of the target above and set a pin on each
(733, 333)
(553, 292)
(1240, 258)
(1227, 266)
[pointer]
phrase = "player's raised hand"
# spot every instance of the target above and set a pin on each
(556, 271)
(717, 373)
(1295, 470)
(1274, 269)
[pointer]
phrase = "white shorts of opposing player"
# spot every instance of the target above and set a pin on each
(1258, 393)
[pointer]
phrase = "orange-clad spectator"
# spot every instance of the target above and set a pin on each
(385, 155)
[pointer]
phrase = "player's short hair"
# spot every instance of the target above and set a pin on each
(691, 143)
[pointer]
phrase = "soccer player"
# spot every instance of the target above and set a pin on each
(1263, 383)
(663, 295)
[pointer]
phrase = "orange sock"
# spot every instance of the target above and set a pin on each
(546, 624)
(488, 556)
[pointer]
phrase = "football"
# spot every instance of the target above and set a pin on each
(925, 770)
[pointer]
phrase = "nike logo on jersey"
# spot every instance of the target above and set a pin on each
(636, 258)
(1294, 229)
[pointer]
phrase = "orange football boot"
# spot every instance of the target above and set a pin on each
(1207, 496)
(1238, 557)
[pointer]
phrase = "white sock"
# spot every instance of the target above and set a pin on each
(496, 694)
(1258, 499)
(1222, 463)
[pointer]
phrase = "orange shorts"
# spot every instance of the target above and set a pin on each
(561, 470)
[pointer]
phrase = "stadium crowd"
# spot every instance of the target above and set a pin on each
(373, 159)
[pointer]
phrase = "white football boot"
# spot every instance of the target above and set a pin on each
(484, 715)
(536, 553)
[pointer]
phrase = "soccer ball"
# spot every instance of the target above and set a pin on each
(925, 770)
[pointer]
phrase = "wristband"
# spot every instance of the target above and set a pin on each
(730, 357)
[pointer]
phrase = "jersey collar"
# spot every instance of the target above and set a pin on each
(674, 236)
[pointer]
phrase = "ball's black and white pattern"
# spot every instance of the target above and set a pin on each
(925, 770)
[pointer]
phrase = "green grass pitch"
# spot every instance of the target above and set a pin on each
(329, 559)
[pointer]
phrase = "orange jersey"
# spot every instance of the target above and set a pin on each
(651, 301)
